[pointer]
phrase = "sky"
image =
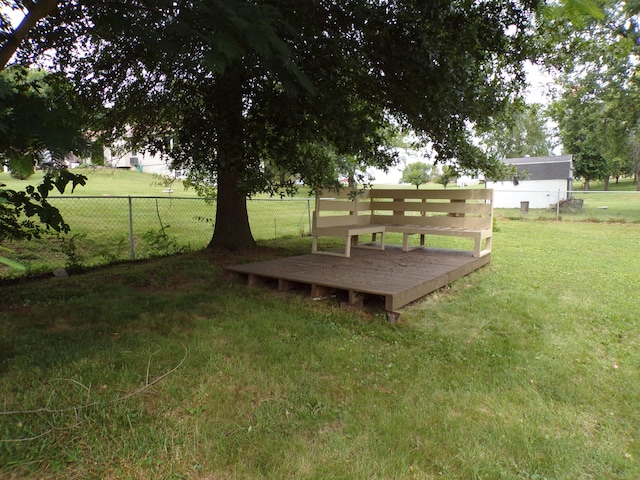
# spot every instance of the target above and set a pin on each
(539, 91)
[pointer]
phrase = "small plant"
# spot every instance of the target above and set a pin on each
(114, 252)
(158, 241)
(69, 247)
(448, 175)
(417, 173)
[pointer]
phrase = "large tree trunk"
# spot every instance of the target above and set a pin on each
(232, 231)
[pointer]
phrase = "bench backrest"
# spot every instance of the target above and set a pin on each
(347, 207)
(468, 208)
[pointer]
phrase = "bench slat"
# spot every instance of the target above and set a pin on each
(474, 194)
(326, 205)
(341, 220)
(430, 207)
(471, 223)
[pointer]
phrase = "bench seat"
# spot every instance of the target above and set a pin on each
(350, 234)
(477, 235)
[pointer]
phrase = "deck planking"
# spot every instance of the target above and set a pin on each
(399, 277)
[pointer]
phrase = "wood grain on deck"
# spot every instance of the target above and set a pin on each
(400, 277)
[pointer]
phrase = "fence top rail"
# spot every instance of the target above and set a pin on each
(150, 197)
(69, 197)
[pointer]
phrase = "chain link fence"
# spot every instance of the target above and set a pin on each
(576, 205)
(110, 229)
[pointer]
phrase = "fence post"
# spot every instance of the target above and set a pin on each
(132, 251)
(309, 214)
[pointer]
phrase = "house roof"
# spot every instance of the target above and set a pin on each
(544, 168)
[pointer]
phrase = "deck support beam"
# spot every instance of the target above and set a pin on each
(320, 291)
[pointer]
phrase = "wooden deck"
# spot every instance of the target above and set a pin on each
(399, 277)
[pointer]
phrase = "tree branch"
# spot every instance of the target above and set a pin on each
(36, 12)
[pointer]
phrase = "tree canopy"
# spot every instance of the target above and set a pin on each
(598, 106)
(239, 85)
(522, 130)
(417, 173)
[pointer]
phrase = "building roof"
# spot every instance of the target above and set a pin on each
(544, 168)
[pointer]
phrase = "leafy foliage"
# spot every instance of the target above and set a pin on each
(448, 175)
(521, 131)
(39, 111)
(582, 126)
(36, 115)
(417, 173)
(598, 106)
(21, 166)
(18, 209)
(300, 86)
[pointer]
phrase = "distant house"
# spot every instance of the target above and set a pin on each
(541, 181)
(121, 157)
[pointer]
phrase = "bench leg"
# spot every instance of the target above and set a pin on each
(405, 242)
(314, 248)
(478, 247)
(487, 247)
(355, 241)
(479, 251)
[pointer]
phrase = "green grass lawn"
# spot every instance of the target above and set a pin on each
(526, 369)
(107, 181)
(165, 223)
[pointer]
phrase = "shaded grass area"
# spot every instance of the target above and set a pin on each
(115, 203)
(526, 369)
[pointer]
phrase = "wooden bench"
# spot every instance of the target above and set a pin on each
(346, 215)
(462, 213)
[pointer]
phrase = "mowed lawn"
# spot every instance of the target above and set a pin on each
(171, 368)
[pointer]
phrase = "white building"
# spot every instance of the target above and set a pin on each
(541, 181)
(138, 160)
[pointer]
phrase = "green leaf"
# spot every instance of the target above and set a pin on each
(13, 264)
(585, 7)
